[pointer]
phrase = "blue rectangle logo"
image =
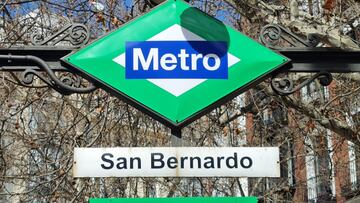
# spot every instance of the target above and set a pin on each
(176, 60)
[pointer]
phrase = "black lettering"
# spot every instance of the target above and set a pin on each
(153, 160)
(122, 163)
(219, 161)
(182, 160)
(192, 161)
(209, 163)
(132, 160)
(171, 161)
(103, 157)
(244, 164)
(234, 160)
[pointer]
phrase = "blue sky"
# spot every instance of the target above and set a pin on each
(29, 7)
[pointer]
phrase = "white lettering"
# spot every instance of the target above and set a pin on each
(153, 56)
(206, 62)
(183, 55)
(194, 59)
(168, 59)
(169, 62)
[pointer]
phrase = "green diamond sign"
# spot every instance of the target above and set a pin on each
(175, 63)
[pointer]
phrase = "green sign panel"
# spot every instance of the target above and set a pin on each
(179, 200)
(175, 63)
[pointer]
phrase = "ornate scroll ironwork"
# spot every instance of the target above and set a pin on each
(65, 84)
(285, 86)
(272, 35)
(76, 34)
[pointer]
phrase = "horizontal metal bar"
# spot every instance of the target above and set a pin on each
(319, 59)
(46, 53)
(331, 68)
(55, 66)
(51, 55)
(315, 59)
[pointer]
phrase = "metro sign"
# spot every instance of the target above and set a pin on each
(175, 63)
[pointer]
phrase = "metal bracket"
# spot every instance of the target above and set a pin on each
(306, 58)
(65, 85)
(43, 60)
(285, 86)
(272, 34)
(76, 34)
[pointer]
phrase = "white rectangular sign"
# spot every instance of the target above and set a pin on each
(177, 162)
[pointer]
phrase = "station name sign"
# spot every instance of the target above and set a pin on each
(177, 162)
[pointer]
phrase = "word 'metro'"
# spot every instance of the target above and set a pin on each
(176, 59)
